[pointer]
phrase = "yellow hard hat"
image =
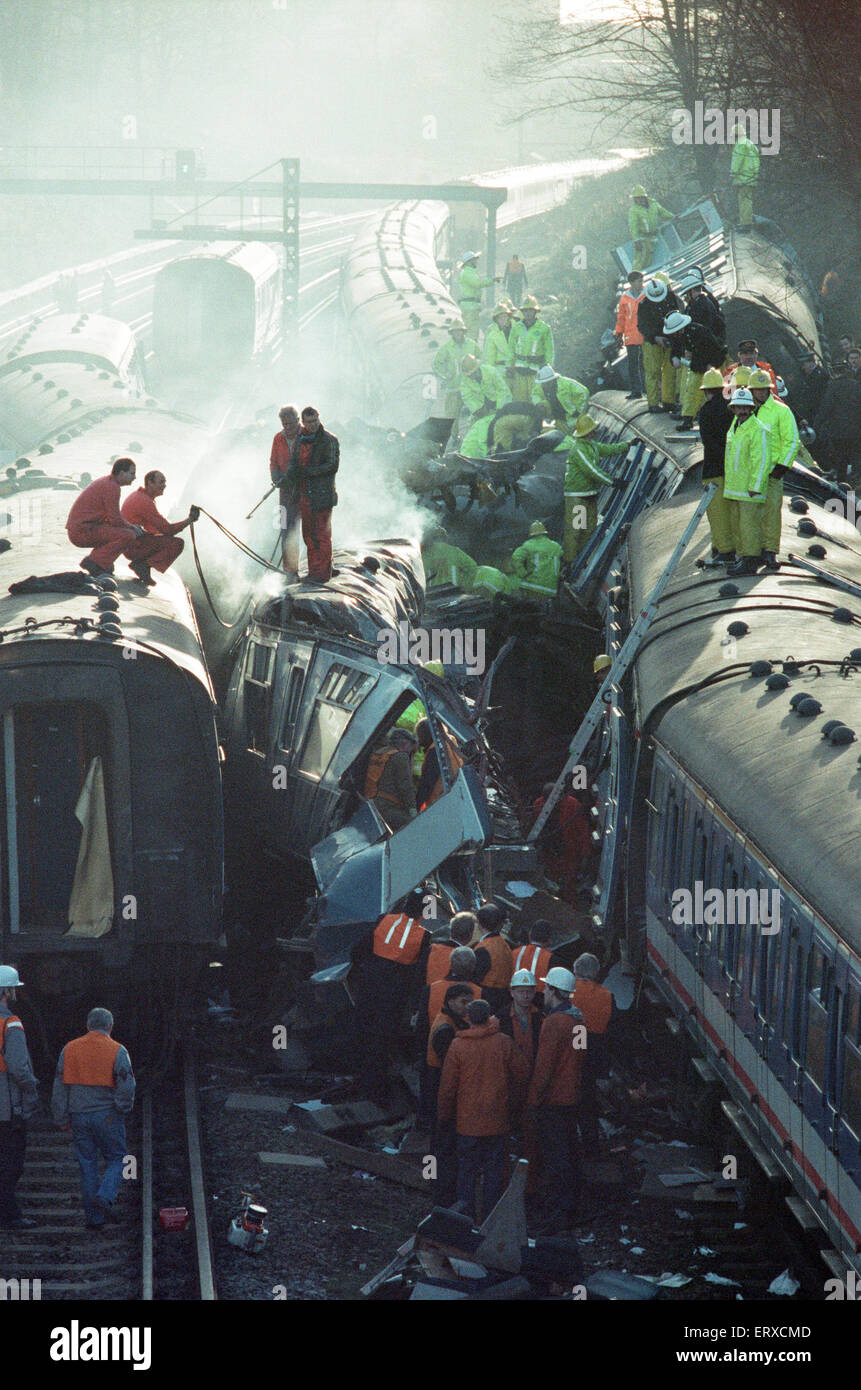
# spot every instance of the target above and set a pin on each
(759, 380)
(711, 378)
(601, 663)
(538, 529)
(638, 191)
(469, 364)
(501, 308)
(741, 376)
(585, 425)
(455, 323)
(436, 668)
(530, 302)
(511, 307)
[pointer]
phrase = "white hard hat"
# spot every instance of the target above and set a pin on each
(676, 322)
(656, 290)
(689, 281)
(561, 979)
(741, 396)
(781, 388)
(522, 977)
(9, 978)
(546, 374)
(470, 256)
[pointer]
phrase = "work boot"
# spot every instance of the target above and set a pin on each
(143, 572)
(769, 559)
(634, 396)
(686, 423)
(673, 410)
(747, 565)
(96, 570)
(656, 409)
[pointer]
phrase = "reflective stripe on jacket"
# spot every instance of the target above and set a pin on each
(536, 959)
(747, 450)
(533, 347)
(783, 439)
(583, 475)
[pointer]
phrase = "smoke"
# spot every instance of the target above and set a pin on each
(373, 503)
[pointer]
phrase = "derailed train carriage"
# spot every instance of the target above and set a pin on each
(111, 865)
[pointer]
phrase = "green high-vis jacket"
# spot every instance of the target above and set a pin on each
(470, 284)
(573, 397)
(583, 475)
(499, 350)
(644, 222)
(446, 564)
(485, 391)
(533, 347)
(446, 363)
(745, 162)
(536, 564)
(746, 467)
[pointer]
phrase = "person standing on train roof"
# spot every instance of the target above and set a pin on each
(283, 459)
(748, 358)
(562, 398)
(139, 509)
(715, 420)
(744, 173)
(94, 1090)
(95, 523)
(584, 479)
(514, 281)
(627, 330)
(779, 423)
(18, 1099)
(658, 301)
(644, 218)
(470, 286)
(745, 481)
(317, 461)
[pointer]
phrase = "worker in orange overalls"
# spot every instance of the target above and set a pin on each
(598, 1008)
(391, 965)
(494, 962)
(94, 1090)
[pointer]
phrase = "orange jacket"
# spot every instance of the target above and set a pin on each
(398, 938)
(4, 1024)
(439, 958)
(559, 1065)
(437, 993)
(536, 959)
(89, 1061)
(626, 319)
(139, 509)
(442, 1020)
(98, 503)
(595, 1004)
(478, 1074)
(501, 961)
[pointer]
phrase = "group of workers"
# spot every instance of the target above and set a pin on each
(512, 1044)
(93, 1091)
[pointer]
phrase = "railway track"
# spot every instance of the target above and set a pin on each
(131, 1258)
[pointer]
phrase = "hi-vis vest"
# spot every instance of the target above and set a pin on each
(398, 938)
(441, 1021)
(376, 768)
(439, 959)
(89, 1061)
(13, 1021)
(595, 1004)
(501, 963)
(535, 959)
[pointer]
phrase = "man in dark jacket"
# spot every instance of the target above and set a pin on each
(714, 421)
(838, 426)
(657, 303)
(811, 390)
(695, 346)
(314, 470)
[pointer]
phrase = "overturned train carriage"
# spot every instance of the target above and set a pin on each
(309, 699)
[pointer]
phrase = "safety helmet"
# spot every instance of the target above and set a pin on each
(759, 380)
(638, 191)
(522, 977)
(781, 388)
(401, 731)
(656, 290)
(530, 302)
(741, 376)
(696, 270)
(500, 309)
(741, 396)
(561, 979)
(455, 323)
(585, 425)
(676, 322)
(689, 282)
(739, 132)
(510, 306)
(469, 364)
(538, 529)
(436, 668)
(711, 378)
(469, 256)
(602, 662)
(9, 978)
(545, 374)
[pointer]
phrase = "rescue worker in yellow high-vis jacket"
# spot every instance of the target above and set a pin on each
(483, 388)
(470, 285)
(535, 563)
(645, 216)
(744, 173)
(499, 340)
(584, 479)
(746, 469)
(563, 398)
(445, 563)
(446, 365)
(533, 347)
(783, 444)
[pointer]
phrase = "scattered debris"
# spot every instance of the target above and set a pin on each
(704, 1250)
(286, 1160)
(719, 1279)
(250, 1100)
(784, 1285)
(369, 1162)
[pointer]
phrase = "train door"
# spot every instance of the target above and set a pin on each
(792, 1020)
(317, 792)
(816, 1031)
(48, 751)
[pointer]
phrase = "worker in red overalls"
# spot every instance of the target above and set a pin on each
(96, 524)
(139, 509)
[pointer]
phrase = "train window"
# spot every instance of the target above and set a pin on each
(327, 727)
(853, 1012)
(257, 696)
(851, 1100)
(818, 974)
(344, 685)
(817, 1038)
(794, 1001)
(291, 707)
(657, 819)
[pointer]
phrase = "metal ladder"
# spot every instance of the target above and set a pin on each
(627, 653)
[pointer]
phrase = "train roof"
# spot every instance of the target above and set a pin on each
(772, 771)
(254, 258)
(73, 338)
